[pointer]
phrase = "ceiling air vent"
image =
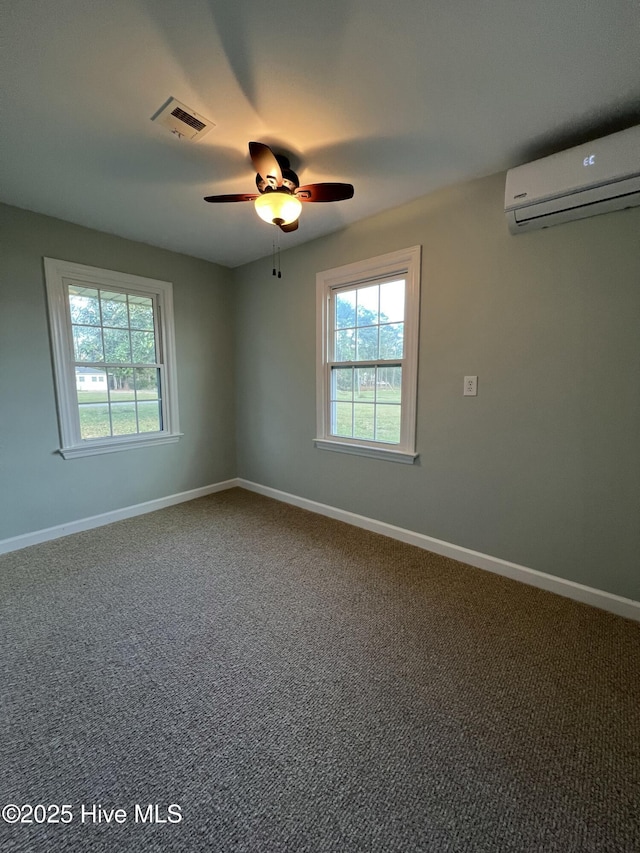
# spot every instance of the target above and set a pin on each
(182, 120)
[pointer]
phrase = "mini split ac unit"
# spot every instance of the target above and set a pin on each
(598, 177)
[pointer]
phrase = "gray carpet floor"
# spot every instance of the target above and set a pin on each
(296, 684)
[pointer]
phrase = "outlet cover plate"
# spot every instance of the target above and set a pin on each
(470, 386)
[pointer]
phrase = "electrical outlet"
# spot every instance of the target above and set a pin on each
(470, 386)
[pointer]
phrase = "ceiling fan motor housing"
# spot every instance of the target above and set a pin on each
(289, 180)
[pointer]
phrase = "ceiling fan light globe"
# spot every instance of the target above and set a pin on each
(278, 208)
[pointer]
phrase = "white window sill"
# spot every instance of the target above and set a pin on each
(94, 447)
(366, 450)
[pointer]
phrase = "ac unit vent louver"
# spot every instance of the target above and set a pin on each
(182, 120)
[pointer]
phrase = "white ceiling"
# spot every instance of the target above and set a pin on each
(398, 98)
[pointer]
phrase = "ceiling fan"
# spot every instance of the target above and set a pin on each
(279, 196)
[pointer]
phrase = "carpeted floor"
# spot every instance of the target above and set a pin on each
(295, 684)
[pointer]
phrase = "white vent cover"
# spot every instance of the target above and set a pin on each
(182, 120)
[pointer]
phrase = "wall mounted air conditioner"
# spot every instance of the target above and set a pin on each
(598, 177)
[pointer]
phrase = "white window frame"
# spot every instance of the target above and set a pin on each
(58, 275)
(405, 263)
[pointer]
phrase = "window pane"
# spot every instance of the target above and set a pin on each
(342, 383)
(365, 384)
(345, 309)
(117, 346)
(121, 383)
(149, 416)
(123, 418)
(87, 343)
(345, 346)
(363, 420)
(368, 305)
(388, 423)
(94, 420)
(367, 343)
(143, 347)
(392, 302)
(114, 309)
(342, 419)
(389, 385)
(84, 306)
(392, 340)
(141, 313)
(94, 387)
(147, 383)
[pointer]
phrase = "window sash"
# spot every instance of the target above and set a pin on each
(368, 406)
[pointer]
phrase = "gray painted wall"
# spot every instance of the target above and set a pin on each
(38, 488)
(542, 468)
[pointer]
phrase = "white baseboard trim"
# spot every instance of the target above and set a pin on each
(15, 543)
(569, 589)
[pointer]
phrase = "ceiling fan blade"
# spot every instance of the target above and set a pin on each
(324, 192)
(292, 226)
(265, 163)
(235, 197)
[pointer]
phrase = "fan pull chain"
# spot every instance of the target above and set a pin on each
(276, 256)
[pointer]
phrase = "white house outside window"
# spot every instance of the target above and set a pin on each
(368, 316)
(114, 362)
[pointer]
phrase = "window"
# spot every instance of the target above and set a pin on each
(367, 357)
(113, 352)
